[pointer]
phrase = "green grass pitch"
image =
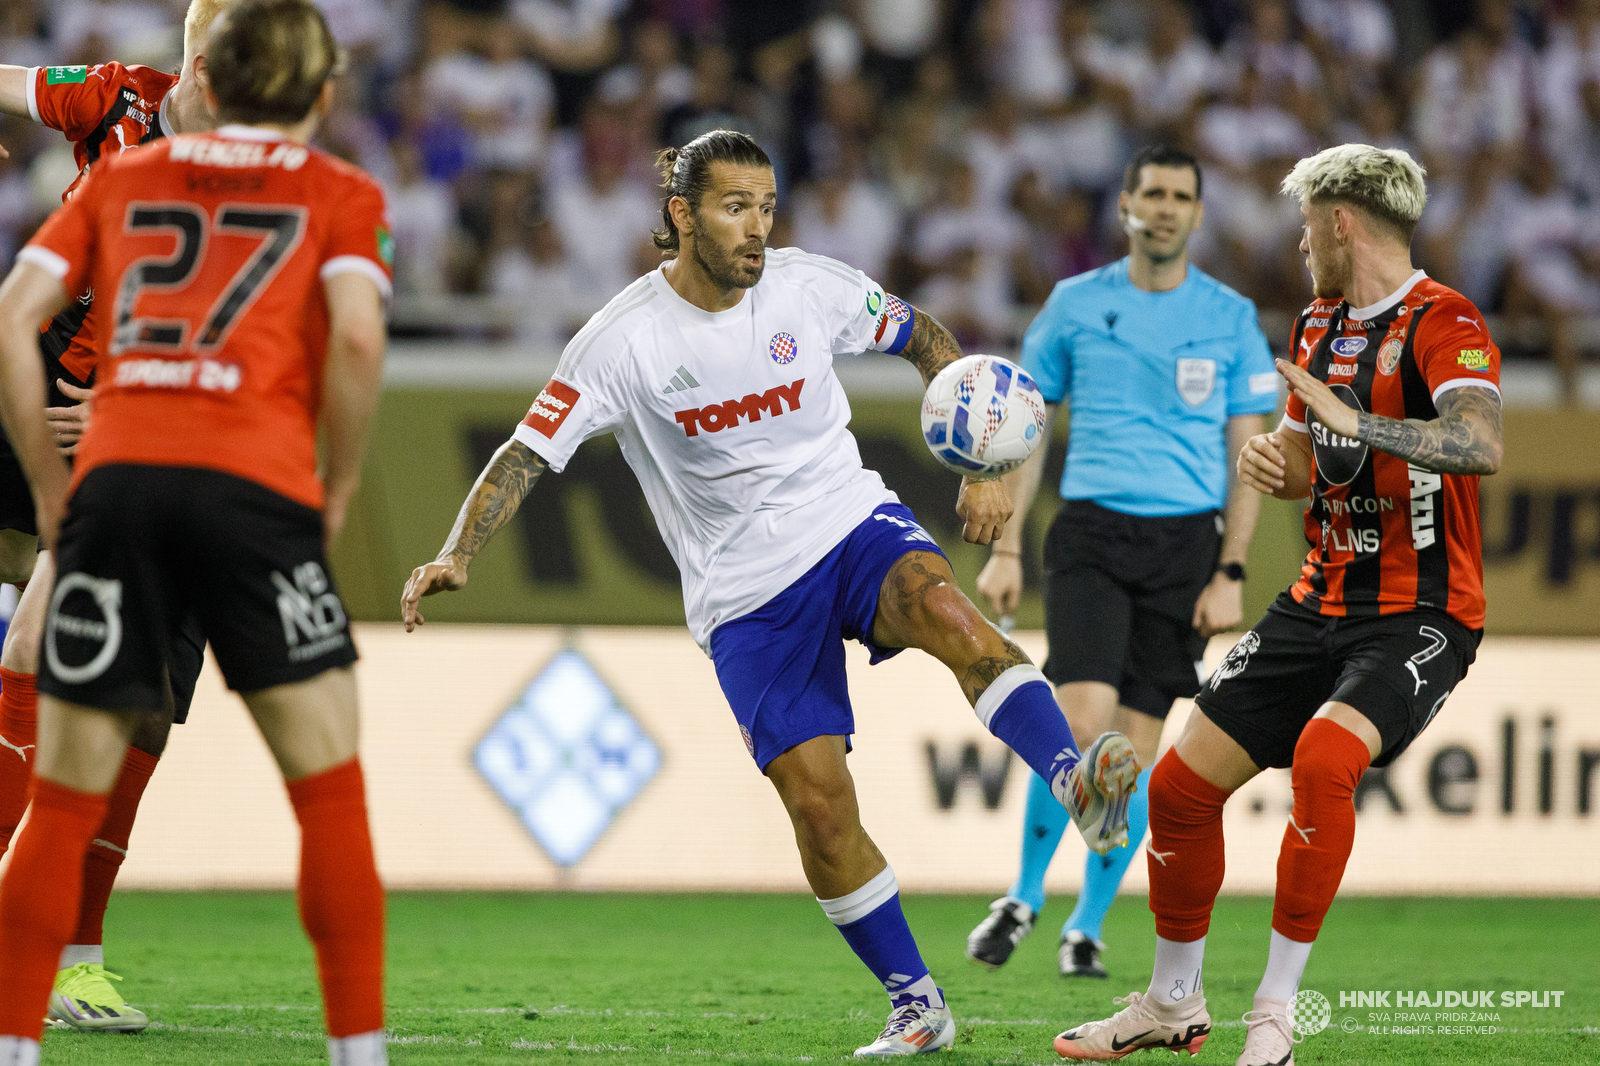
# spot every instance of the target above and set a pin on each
(590, 978)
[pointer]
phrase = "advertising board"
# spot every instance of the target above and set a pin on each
(527, 757)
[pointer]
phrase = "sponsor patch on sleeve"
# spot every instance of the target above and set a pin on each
(1261, 384)
(551, 407)
(385, 245)
(1473, 359)
(65, 75)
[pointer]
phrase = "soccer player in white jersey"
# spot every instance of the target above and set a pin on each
(715, 372)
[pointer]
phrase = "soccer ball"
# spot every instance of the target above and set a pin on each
(982, 417)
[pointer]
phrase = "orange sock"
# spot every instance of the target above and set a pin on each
(39, 901)
(1185, 854)
(341, 898)
(19, 719)
(1328, 763)
(110, 845)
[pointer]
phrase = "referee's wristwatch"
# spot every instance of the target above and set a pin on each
(1232, 571)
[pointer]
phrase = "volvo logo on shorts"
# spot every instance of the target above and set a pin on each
(1348, 346)
(1338, 458)
(84, 631)
(313, 618)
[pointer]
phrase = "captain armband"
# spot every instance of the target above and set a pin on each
(892, 331)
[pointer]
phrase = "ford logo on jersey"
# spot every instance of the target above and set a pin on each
(783, 348)
(1349, 345)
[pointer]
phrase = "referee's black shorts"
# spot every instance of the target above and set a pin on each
(1119, 596)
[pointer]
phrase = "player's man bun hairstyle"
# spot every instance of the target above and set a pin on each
(686, 172)
(1386, 183)
(268, 60)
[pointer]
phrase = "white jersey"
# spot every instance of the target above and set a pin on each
(733, 421)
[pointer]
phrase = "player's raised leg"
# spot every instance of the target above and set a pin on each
(858, 892)
(1188, 788)
(1088, 706)
(921, 606)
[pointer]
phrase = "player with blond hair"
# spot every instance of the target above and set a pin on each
(245, 274)
(103, 110)
(1394, 414)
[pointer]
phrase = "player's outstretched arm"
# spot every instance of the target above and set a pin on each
(931, 347)
(1001, 578)
(984, 506)
(494, 498)
(1466, 438)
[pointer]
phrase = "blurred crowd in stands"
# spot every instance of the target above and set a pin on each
(967, 153)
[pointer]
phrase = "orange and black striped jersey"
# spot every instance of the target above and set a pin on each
(1387, 536)
(103, 110)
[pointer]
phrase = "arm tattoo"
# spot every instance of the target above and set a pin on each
(1466, 438)
(931, 347)
(495, 497)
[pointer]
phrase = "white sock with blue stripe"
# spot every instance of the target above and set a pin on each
(1020, 708)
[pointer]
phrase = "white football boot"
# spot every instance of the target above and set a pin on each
(1269, 1039)
(1097, 790)
(1143, 1023)
(914, 1029)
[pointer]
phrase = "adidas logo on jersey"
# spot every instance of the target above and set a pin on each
(682, 381)
(719, 416)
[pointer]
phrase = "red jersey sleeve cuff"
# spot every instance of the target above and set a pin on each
(1291, 423)
(43, 258)
(32, 93)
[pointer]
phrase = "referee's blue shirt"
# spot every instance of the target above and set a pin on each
(1152, 379)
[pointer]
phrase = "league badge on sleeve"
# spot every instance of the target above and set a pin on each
(783, 348)
(1197, 378)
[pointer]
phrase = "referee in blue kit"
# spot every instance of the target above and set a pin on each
(1167, 374)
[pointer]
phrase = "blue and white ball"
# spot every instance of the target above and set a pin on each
(983, 416)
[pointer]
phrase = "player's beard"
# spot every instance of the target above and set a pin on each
(726, 268)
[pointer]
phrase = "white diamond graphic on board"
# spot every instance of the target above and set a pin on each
(567, 757)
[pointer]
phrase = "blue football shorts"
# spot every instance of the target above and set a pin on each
(782, 665)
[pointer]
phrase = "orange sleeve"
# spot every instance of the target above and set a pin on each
(358, 239)
(1453, 348)
(74, 100)
(65, 245)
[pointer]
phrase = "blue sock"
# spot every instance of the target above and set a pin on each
(875, 928)
(1020, 708)
(1102, 874)
(1042, 826)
